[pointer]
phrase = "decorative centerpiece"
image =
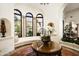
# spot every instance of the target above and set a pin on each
(46, 37)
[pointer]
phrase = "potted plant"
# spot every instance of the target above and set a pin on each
(69, 34)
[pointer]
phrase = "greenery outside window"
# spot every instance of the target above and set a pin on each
(29, 24)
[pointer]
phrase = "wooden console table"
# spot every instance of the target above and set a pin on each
(51, 50)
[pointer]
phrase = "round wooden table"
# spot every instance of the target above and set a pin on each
(52, 49)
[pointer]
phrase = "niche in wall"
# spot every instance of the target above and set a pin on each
(8, 27)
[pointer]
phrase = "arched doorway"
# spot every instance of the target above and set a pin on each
(71, 23)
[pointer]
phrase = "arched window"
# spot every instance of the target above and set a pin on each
(29, 24)
(40, 23)
(18, 22)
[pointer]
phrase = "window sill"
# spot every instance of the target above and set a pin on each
(26, 40)
(70, 45)
(5, 38)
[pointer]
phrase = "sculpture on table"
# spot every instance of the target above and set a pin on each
(3, 28)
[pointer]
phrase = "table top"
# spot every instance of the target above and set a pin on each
(52, 47)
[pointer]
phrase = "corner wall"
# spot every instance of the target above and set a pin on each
(7, 43)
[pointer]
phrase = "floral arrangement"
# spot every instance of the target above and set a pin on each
(50, 28)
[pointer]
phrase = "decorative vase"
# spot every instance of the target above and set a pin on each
(3, 34)
(45, 40)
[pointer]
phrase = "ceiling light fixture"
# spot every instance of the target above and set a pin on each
(44, 3)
